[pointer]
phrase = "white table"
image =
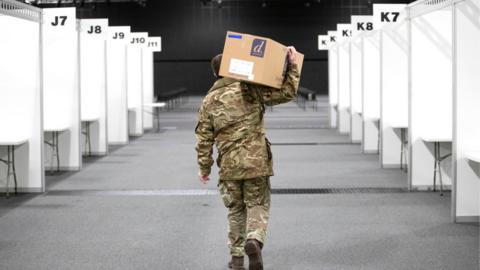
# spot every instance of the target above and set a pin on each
(11, 142)
(372, 119)
(438, 158)
(473, 156)
(156, 106)
(403, 138)
(87, 121)
(399, 126)
(55, 130)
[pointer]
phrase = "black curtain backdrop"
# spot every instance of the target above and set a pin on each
(193, 31)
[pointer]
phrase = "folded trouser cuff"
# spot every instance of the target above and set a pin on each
(260, 237)
(237, 252)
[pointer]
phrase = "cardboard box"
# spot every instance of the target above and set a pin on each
(255, 59)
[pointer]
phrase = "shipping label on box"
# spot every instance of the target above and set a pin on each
(242, 68)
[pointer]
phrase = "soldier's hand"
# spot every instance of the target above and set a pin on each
(203, 178)
(292, 54)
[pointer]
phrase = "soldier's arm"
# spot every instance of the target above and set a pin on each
(288, 91)
(205, 140)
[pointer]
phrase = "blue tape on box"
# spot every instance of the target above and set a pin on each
(235, 36)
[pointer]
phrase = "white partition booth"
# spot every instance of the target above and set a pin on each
(383, 14)
(21, 115)
(344, 34)
(153, 44)
(93, 88)
(333, 79)
(466, 132)
(360, 24)
(371, 91)
(356, 126)
(61, 93)
(135, 83)
(430, 94)
(117, 107)
(394, 51)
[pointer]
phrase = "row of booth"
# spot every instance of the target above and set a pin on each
(68, 87)
(404, 83)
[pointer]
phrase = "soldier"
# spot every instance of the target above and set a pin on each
(231, 116)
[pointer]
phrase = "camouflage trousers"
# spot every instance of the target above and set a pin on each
(248, 203)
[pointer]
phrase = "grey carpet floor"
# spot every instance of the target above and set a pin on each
(113, 214)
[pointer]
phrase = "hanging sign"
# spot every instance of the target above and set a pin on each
(344, 32)
(361, 24)
(94, 28)
(119, 34)
(387, 13)
(139, 39)
(59, 20)
(332, 37)
(154, 44)
(323, 42)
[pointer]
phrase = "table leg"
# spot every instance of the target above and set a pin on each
(57, 151)
(157, 111)
(85, 133)
(13, 169)
(402, 132)
(440, 178)
(378, 138)
(405, 147)
(7, 194)
(440, 169)
(52, 157)
(89, 140)
(435, 167)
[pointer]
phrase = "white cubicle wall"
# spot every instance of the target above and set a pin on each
(394, 91)
(360, 25)
(466, 136)
(343, 84)
(118, 38)
(430, 92)
(147, 92)
(371, 91)
(135, 83)
(356, 89)
(61, 93)
(93, 76)
(21, 114)
(153, 44)
(333, 79)
(383, 14)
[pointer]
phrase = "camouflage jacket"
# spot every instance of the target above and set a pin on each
(231, 116)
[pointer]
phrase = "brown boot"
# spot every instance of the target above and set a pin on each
(236, 263)
(253, 248)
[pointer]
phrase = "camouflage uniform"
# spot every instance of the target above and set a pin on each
(231, 116)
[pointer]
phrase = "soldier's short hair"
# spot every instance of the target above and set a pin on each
(216, 64)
